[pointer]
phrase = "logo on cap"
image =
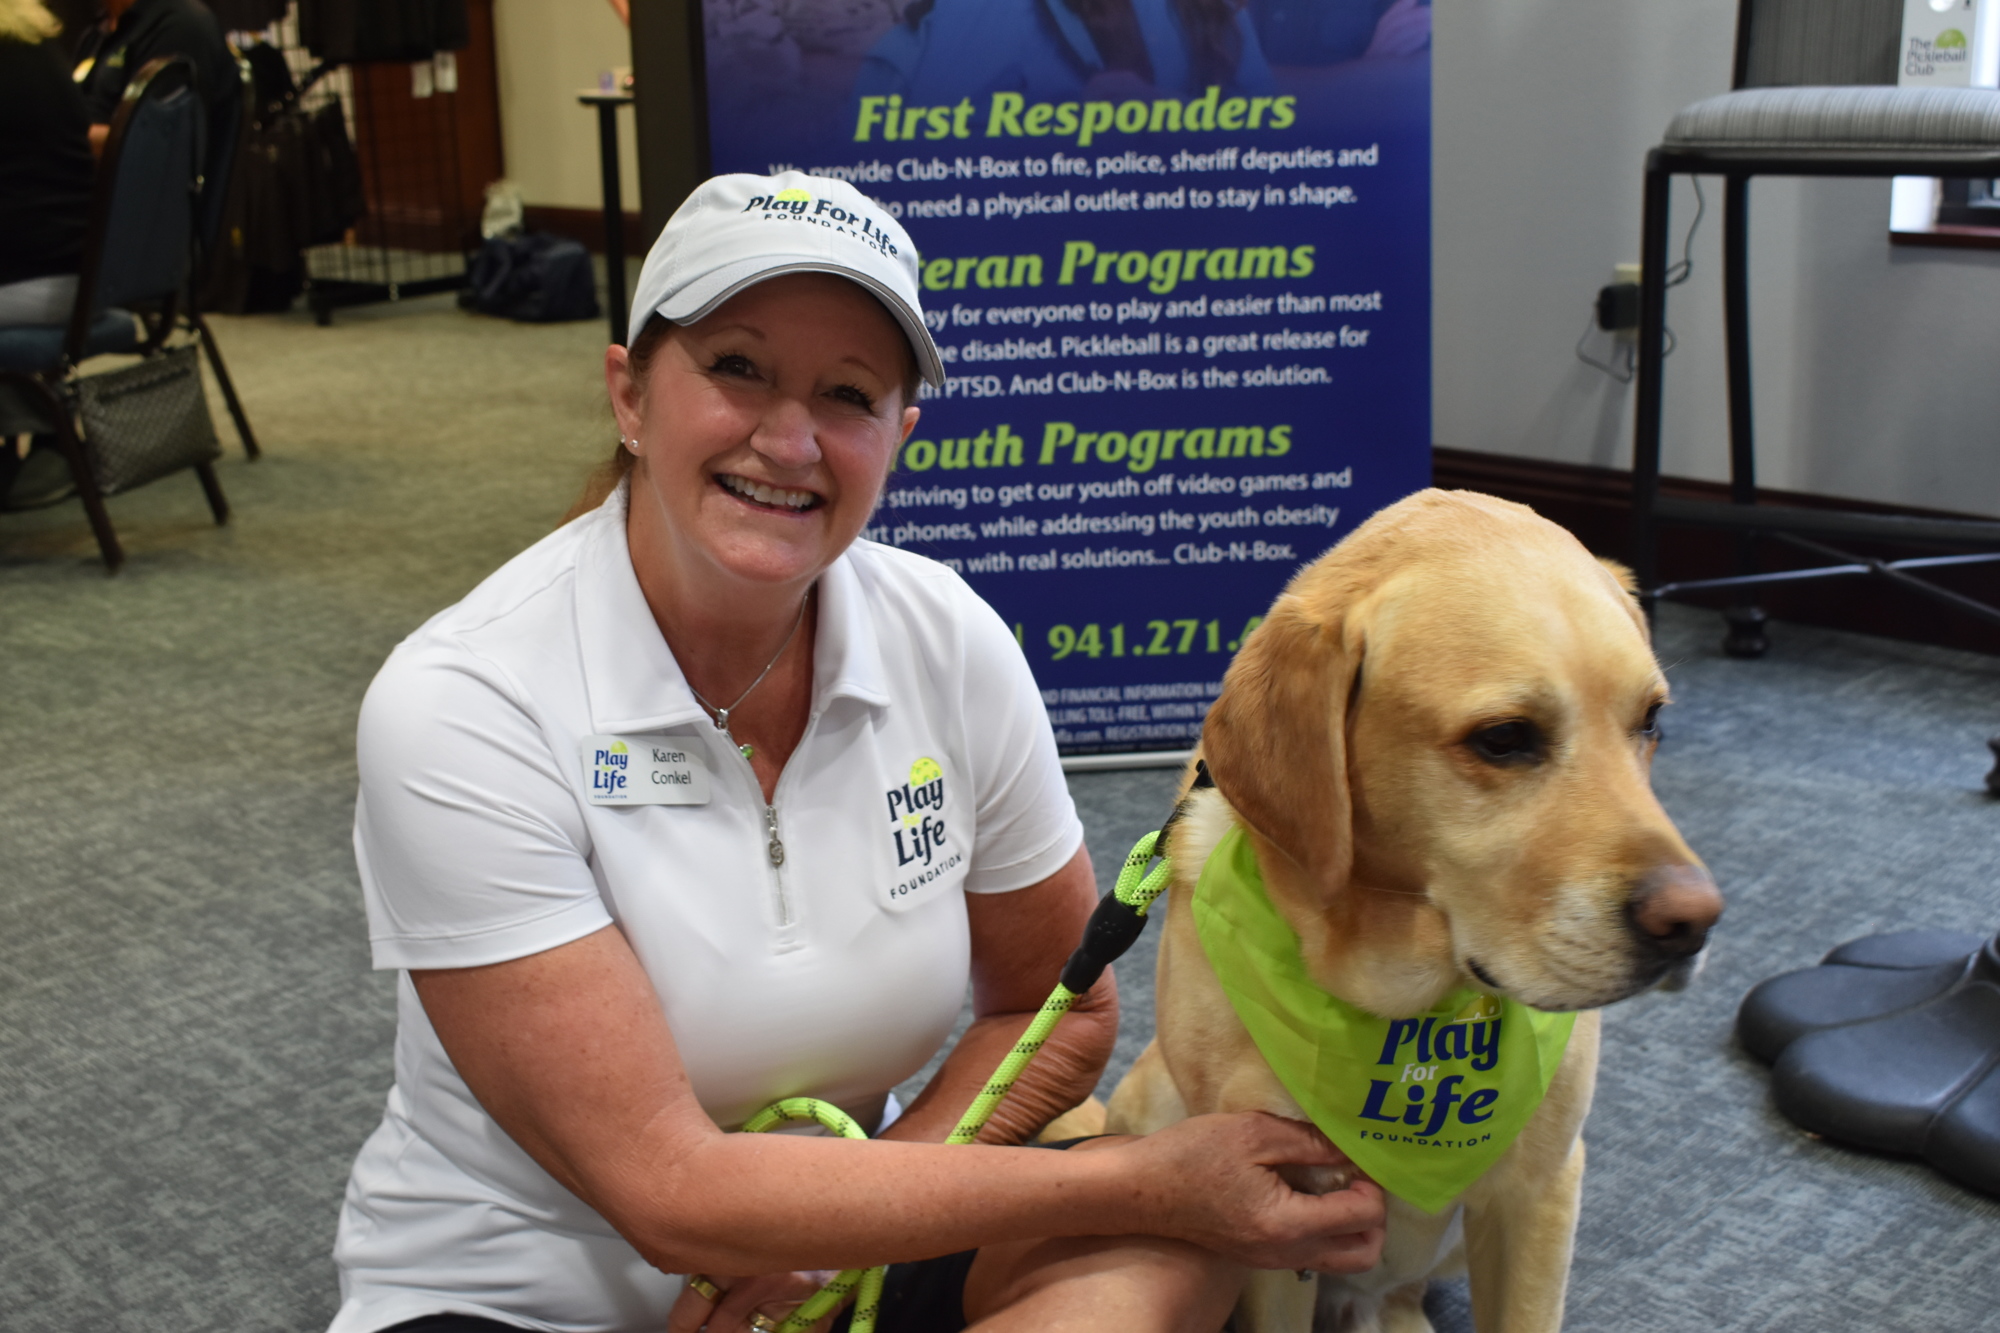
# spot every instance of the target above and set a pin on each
(797, 205)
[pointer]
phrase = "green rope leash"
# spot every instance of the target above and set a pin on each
(1135, 891)
(1120, 916)
(869, 1280)
(1011, 1068)
(1135, 888)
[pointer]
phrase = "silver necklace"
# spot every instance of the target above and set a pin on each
(721, 718)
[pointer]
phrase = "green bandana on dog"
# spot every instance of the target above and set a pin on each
(1424, 1105)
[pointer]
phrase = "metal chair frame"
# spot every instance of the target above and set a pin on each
(1803, 529)
(160, 78)
(220, 167)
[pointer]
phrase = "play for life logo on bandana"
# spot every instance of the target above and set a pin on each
(1426, 1103)
(800, 206)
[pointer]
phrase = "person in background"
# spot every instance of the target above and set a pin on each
(46, 171)
(136, 32)
(46, 177)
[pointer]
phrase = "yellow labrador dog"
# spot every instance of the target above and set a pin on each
(1438, 746)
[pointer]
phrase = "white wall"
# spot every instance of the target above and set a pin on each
(548, 51)
(1877, 369)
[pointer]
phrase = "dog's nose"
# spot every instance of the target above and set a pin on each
(1674, 908)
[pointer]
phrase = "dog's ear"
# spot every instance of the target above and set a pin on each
(1621, 572)
(1629, 585)
(1275, 741)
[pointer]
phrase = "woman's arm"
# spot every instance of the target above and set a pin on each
(569, 1051)
(1020, 941)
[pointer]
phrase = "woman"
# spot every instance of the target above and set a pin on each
(137, 32)
(46, 169)
(47, 174)
(700, 803)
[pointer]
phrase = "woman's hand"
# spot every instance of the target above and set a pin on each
(773, 1295)
(1217, 1181)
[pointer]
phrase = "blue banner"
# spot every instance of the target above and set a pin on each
(1176, 254)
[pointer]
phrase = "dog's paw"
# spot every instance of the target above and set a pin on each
(1342, 1310)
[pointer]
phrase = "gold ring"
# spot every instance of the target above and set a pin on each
(763, 1323)
(707, 1290)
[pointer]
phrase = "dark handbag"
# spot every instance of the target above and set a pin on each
(142, 422)
(535, 278)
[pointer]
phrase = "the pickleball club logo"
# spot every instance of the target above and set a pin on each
(916, 816)
(1948, 54)
(611, 771)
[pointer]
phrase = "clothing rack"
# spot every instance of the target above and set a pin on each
(415, 230)
(413, 238)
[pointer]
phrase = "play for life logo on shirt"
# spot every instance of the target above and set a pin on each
(924, 849)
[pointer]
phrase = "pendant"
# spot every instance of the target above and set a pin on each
(746, 750)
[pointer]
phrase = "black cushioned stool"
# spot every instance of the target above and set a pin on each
(1891, 1043)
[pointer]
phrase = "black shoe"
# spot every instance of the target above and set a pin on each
(41, 480)
(1880, 1084)
(1965, 1141)
(1891, 1044)
(1862, 979)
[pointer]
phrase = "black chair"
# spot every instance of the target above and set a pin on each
(1807, 102)
(231, 117)
(137, 255)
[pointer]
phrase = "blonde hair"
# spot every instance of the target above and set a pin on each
(27, 21)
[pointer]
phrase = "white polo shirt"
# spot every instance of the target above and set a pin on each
(927, 771)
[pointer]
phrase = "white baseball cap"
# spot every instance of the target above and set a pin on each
(736, 231)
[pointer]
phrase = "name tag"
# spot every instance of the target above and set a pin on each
(622, 770)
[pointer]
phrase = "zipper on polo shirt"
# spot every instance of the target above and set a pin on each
(774, 847)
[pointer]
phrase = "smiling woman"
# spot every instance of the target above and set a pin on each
(761, 436)
(701, 803)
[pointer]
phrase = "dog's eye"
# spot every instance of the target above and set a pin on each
(1507, 743)
(1650, 728)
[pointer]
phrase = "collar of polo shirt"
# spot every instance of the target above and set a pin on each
(635, 683)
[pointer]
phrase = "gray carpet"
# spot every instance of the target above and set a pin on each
(192, 1047)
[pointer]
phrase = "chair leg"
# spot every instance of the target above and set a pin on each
(1652, 358)
(236, 414)
(1736, 331)
(212, 488)
(86, 481)
(1745, 636)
